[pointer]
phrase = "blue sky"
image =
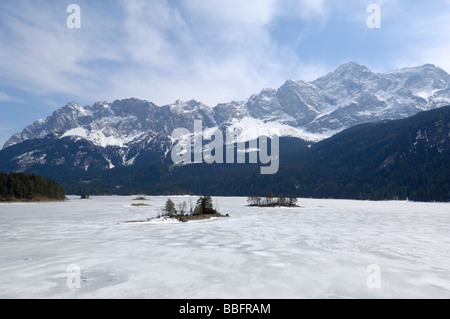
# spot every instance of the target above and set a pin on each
(209, 50)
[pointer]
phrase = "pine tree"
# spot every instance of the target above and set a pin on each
(22, 186)
(204, 206)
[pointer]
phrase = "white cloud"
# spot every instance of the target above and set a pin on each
(304, 9)
(214, 50)
(210, 50)
(40, 54)
(6, 98)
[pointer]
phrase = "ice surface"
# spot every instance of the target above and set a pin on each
(321, 250)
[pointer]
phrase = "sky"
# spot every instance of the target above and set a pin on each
(212, 51)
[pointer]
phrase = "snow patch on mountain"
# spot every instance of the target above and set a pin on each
(30, 158)
(426, 94)
(79, 132)
(100, 138)
(250, 129)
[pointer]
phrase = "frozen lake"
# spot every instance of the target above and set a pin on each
(321, 250)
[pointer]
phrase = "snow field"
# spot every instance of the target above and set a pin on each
(321, 250)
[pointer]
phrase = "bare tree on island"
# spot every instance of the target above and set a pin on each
(169, 209)
(271, 201)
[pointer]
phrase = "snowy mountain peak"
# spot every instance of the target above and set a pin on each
(188, 106)
(346, 74)
(73, 105)
(353, 67)
(350, 95)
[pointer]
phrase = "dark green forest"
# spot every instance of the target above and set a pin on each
(29, 187)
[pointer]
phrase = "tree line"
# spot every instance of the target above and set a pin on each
(204, 206)
(25, 186)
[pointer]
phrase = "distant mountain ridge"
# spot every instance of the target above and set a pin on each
(119, 133)
(399, 159)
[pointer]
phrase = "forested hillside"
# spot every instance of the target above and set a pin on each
(29, 187)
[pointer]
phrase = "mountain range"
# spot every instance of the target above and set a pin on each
(78, 143)
(398, 159)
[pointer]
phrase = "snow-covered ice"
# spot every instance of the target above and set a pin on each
(321, 250)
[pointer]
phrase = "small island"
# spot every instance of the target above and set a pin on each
(140, 198)
(271, 201)
(25, 187)
(141, 203)
(203, 210)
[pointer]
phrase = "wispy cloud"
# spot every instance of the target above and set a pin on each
(40, 55)
(211, 50)
(7, 98)
(162, 50)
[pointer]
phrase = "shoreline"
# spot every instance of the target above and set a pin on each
(181, 219)
(33, 200)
